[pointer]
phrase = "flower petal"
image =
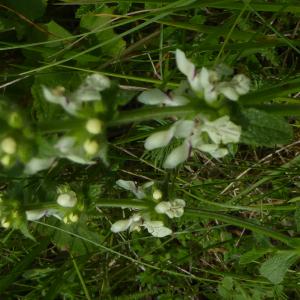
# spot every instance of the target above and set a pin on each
(228, 91)
(183, 128)
(213, 150)
(37, 164)
(241, 84)
(162, 207)
(159, 139)
(157, 228)
(152, 97)
(127, 185)
(120, 225)
(222, 130)
(177, 156)
(184, 65)
(35, 214)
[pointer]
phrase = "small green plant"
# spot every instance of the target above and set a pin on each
(149, 150)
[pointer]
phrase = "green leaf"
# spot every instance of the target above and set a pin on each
(56, 32)
(31, 9)
(275, 267)
(260, 128)
(225, 288)
(252, 255)
(68, 237)
(98, 21)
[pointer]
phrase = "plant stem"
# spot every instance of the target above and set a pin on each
(152, 113)
(122, 203)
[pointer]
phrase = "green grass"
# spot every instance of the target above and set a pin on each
(238, 238)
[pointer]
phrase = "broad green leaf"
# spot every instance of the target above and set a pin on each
(56, 32)
(275, 267)
(99, 21)
(252, 255)
(260, 128)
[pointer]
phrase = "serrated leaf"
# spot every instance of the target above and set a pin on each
(260, 128)
(275, 267)
(252, 255)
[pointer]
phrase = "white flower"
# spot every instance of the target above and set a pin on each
(207, 83)
(89, 90)
(68, 199)
(37, 164)
(9, 145)
(133, 224)
(56, 96)
(222, 130)
(173, 209)
(132, 187)
(203, 82)
(241, 84)
(157, 228)
(68, 148)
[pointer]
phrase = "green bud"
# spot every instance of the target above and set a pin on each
(93, 126)
(15, 120)
(9, 145)
(91, 147)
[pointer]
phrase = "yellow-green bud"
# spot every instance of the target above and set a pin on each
(5, 223)
(6, 160)
(9, 145)
(91, 147)
(93, 126)
(73, 217)
(157, 194)
(15, 120)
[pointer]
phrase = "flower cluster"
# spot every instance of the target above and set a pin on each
(67, 201)
(142, 219)
(198, 132)
(86, 141)
(65, 210)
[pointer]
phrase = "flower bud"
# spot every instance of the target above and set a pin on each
(91, 147)
(157, 194)
(93, 126)
(15, 120)
(5, 223)
(73, 217)
(6, 160)
(9, 145)
(67, 199)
